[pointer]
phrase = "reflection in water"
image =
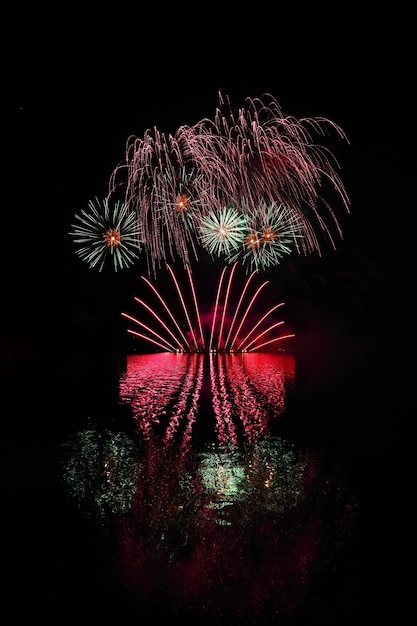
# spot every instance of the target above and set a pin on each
(244, 392)
(241, 526)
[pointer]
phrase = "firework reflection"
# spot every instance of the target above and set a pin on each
(168, 392)
(250, 532)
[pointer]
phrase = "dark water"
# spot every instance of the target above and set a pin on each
(213, 489)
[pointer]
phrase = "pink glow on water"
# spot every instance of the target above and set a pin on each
(241, 393)
(222, 401)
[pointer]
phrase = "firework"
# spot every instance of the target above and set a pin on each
(106, 234)
(253, 168)
(223, 232)
(229, 326)
(271, 232)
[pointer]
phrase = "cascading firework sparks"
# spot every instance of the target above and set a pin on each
(228, 328)
(247, 186)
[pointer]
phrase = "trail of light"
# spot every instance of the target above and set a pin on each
(133, 332)
(248, 309)
(272, 341)
(215, 308)
(263, 333)
(225, 306)
(197, 310)
(238, 306)
(160, 321)
(166, 307)
(183, 305)
(260, 322)
(149, 330)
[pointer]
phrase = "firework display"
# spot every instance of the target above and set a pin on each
(247, 185)
(229, 327)
(103, 232)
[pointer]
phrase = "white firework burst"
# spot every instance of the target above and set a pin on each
(223, 231)
(106, 234)
(272, 231)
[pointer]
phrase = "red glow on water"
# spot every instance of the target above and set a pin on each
(243, 392)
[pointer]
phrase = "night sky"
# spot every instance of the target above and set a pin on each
(75, 88)
(78, 88)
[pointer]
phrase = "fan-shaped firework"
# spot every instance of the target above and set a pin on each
(103, 233)
(228, 327)
(179, 184)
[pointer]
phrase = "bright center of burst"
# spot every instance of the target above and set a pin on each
(113, 238)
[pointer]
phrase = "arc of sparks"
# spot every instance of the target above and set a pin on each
(166, 343)
(239, 305)
(215, 308)
(275, 339)
(258, 323)
(225, 306)
(248, 309)
(183, 306)
(160, 321)
(197, 309)
(222, 300)
(166, 307)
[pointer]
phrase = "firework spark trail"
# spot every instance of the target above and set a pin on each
(215, 308)
(197, 309)
(156, 316)
(165, 345)
(216, 343)
(267, 330)
(183, 305)
(243, 342)
(184, 187)
(242, 295)
(266, 343)
(247, 310)
(220, 335)
(166, 307)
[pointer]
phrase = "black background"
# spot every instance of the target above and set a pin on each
(77, 84)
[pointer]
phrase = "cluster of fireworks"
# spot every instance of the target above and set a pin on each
(245, 186)
(230, 327)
